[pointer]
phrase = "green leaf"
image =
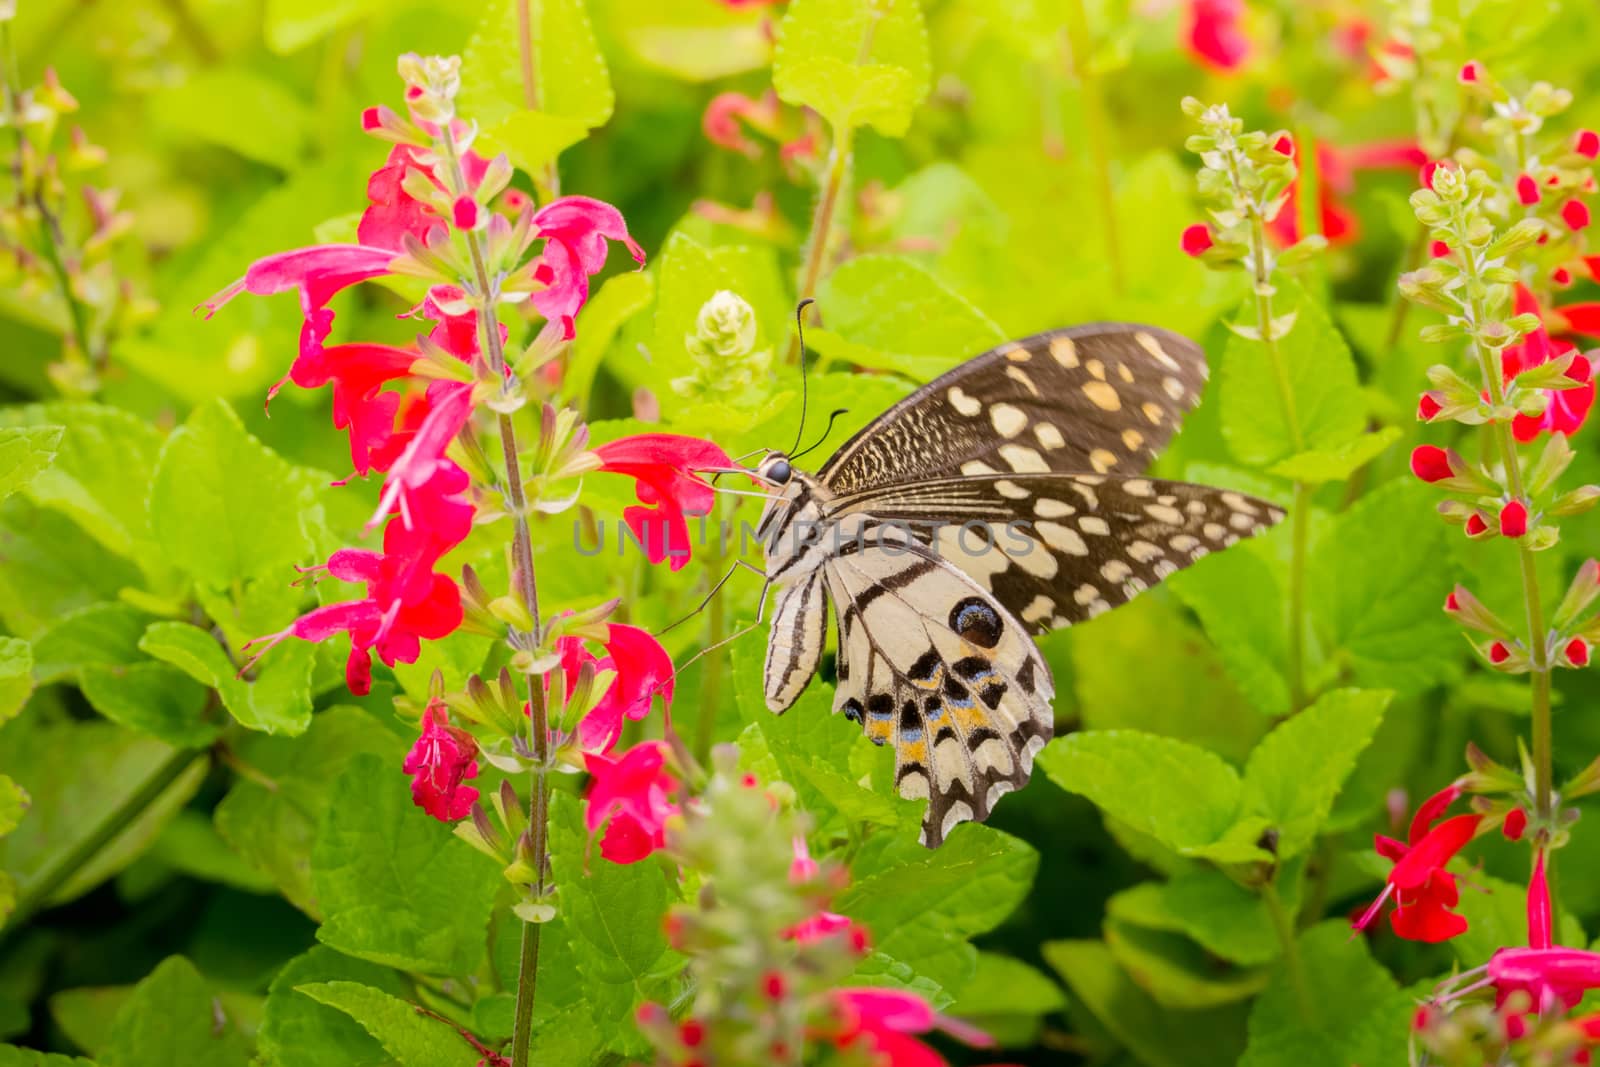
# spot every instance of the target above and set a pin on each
(1176, 972)
(1379, 607)
(1238, 596)
(693, 42)
(276, 700)
(223, 506)
(99, 634)
(395, 885)
(24, 452)
(1180, 794)
(101, 472)
(887, 313)
(1007, 999)
(613, 911)
(1321, 375)
(1298, 769)
(16, 675)
(13, 803)
(11, 1056)
(571, 91)
(414, 1039)
(174, 1017)
(854, 64)
(299, 1031)
(152, 698)
(618, 300)
(1213, 910)
(245, 112)
(1357, 1013)
(49, 567)
(1156, 1036)
(272, 823)
(293, 24)
(1336, 462)
(88, 1014)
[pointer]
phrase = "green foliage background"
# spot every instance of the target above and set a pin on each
(271, 893)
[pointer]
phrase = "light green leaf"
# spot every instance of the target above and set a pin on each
(1180, 794)
(276, 700)
(95, 635)
(1336, 462)
(1321, 375)
(223, 506)
(692, 42)
(24, 452)
(49, 567)
(1356, 1012)
(1298, 769)
(887, 313)
(1379, 607)
(299, 1031)
(239, 109)
(618, 300)
(174, 1017)
(1213, 910)
(414, 1039)
(16, 675)
(854, 64)
(88, 1014)
(190, 845)
(293, 24)
(12, 1056)
(14, 803)
(1007, 999)
(395, 885)
(151, 698)
(1238, 596)
(1176, 972)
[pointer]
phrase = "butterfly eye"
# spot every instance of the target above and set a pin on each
(779, 472)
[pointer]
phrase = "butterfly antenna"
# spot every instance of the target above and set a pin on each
(832, 418)
(800, 330)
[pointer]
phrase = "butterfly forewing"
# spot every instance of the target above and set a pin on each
(1098, 399)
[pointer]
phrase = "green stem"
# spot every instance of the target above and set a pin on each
(55, 874)
(549, 181)
(822, 222)
(1077, 46)
(1283, 923)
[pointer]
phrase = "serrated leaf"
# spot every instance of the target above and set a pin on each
(223, 506)
(1213, 910)
(93, 635)
(1298, 769)
(13, 803)
(49, 567)
(24, 452)
(1175, 971)
(412, 1038)
(1180, 794)
(299, 1031)
(1321, 377)
(395, 885)
(16, 675)
(1336, 462)
(174, 1017)
(854, 64)
(888, 313)
(152, 698)
(276, 700)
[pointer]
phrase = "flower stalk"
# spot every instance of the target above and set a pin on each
(1077, 49)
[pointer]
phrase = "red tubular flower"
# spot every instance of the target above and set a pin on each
(358, 373)
(663, 466)
(1586, 143)
(449, 408)
(1213, 36)
(642, 668)
(1471, 71)
(1438, 249)
(1424, 891)
(442, 758)
(1430, 463)
(394, 212)
(1527, 190)
(1428, 406)
(1575, 213)
(1513, 519)
(1550, 976)
(1499, 652)
(1197, 239)
(1565, 409)
(1538, 902)
(721, 121)
(1576, 652)
(630, 798)
(575, 229)
(1336, 169)
(880, 1022)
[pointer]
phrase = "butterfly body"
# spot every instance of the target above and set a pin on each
(999, 501)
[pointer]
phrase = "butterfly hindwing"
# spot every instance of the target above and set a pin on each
(930, 662)
(795, 642)
(1102, 398)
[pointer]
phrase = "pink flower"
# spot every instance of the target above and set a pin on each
(1471, 71)
(879, 1023)
(394, 213)
(1197, 239)
(1336, 169)
(1213, 36)
(1499, 652)
(576, 229)
(449, 408)
(1586, 143)
(721, 120)
(442, 758)
(1514, 826)
(663, 466)
(1527, 190)
(1550, 976)
(358, 373)
(630, 799)
(1575, 213)
(1576, 652)
(1538, 902)
(1565, 409)
(1425, 892)
(642, 668)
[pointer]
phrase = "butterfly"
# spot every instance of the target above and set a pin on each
(1000, 501)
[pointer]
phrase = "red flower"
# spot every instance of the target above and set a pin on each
(1425, 892)
(1527, 190)
(1566, 409)
(1213, 36)
(1438, 249)
(721, 120)
(1471, 71)
(880, 1022)
(394, 213)
(440, 760)
(1550, 976)
(1514, 826)
(642, 668)
(1513, 519)
(1586, 143)
(1197, 239)
(1428, 406)
(1337, 168)
(1430, 463)
(1499, 652)
(1577, 652)
(629, 797)
(449, 408)
(358, 373)
(575, 229)
(663, 465)
(1575, 213)
(1538, 902)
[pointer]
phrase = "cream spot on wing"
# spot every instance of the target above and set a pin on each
(1035, 560)
(1184, 543)
(1173, 387)
(972, 553)
(997, 790)
(1094, 524)
(1010, 490)
(1020, 376)
(1241, 521)
(1138, 487)
(1240, 503)
(1086, 594)
(1124, 373)
(1008, 421)
(1048, 435)
(959, 812)
(1164, 513)
(914, 786)
(1132, 440)
(993, 755)
(1064, 351)
(1102, 459)
(1195, 507)
(1165, 568)
(1099, 607)
(949, 763)
(1096, 368)
(1133, 587)
(1143, 551)
(1040, 608)
(966, 405)
(1150, 344)
(977, 466)
(1062, 539)
(1102, 395)
(1023, 459)
(1153, 412)
(1089, 496)
(1018, 354)
(1050, 508)
(1114, 570)
(1214, 531)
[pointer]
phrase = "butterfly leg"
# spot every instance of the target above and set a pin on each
(714, 589)
(761, 611)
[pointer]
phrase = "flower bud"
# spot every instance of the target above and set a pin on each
(1513, 519)
(1471, 73)
(1470, 612)
(1575, 213)
(1586, 143)
(1575, 653)
(1580, 594)
(1477, 526)
(1429, 406)
(1527, 190)
(1516, 822)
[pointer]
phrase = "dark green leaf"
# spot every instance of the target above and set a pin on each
(412, 1038)
(174, 1017)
